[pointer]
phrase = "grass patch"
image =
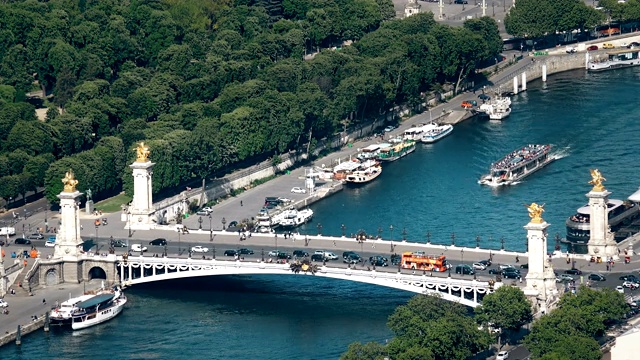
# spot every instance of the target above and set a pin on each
(113, 204)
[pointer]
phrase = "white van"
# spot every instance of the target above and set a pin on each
(7, 231)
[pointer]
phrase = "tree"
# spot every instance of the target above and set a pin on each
(536, 18)
(506, 308)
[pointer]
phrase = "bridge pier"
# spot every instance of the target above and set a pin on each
(515, 84)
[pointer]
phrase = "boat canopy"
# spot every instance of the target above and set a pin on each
(635, 197)
(371, 148)
(612, 204)
(96, 300)
(346, 166)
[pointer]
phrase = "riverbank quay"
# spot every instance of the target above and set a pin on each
(23, 307)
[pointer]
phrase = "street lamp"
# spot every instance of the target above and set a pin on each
(428, 237)
(214, 253)
(276, 237)
(343, 228)
(557, 242)
(129, 222)
(224, 222)
(453, 239)
(379, 232)
(462, 257)
(404, 234)
(391, 231)
(46, 223)
(502, 242)
(477, 241)
(179, 243)
(199, 222)
(97, 228)
(262, 252)
(319, 229)
(210, 229)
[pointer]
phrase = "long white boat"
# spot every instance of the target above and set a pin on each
(619, 214)
(615, 60)
(61, 315)
(98, 309)
(367, 171)
(416, 132)
(293, 218)
(436, 134)
(370, 152)
(498, 108)
(517, 165)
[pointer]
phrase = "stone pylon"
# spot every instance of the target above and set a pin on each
(139, 215)
(68, 241)
(541, 280)
(3, 276)
(601, 241)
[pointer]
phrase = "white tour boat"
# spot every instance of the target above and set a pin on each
(98, 309)
(367, 171)
(415, 132)
(517, 165)
(436, 134)
(293, 218)
(61, 315)
(498, 108)
(370, 152)
(615, 60)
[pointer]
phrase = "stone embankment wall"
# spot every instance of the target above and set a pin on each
(24, 330)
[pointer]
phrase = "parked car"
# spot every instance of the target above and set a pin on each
(283, 255)
(158, 242)
(347, 254)
(460, 2)
(389, 128)
(479, 266)
(3, 304)
(51, 242)
(570, 49)
(597, 277)
(484, 97)
(511, 274)
(631, 285)
(620, 289)
(36, 236)
(330, 256)
(592, 48)
(395, 259)
(495, 271)
(506, 266)
(378, 260)
(318, 257)
(486, 263)
(524, 266)
(22, 241)
(633, 45)
(464, 269)
(502, 355)
(352, 259)
(573, 272)
(608, 46)
(629, 277)
(298, 190)
(300, 253)
(119, 243)
(466, 105)
(273, 253)
(230, 253)
(138, 248)
(245, 251)
(199, 249)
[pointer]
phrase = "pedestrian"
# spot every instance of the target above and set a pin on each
(44, 302)
(517, 259)
(240, 202)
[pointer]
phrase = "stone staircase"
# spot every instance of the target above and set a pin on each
(18, 285)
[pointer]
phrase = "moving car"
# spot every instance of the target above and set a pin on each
(283, 255)
(511, 274)
(36, 236)
(199, 249)
(205, 211)
(119, 243)
(330, 256)
(51, 242)
(464, 269)
(230, 253)
(633, 45)
(138, 248)
(298, 190)
(620, 289)
(608, 46)
(564, 277)
(158, 242)
(479, 266)
(570, 49)
(629, 277)
(274, 253)
(466, 105)
(318, 257)
(592, 48)
(597, 277)
(486, 263)
(22, 241)
(484, 97)
(506, 266)
(502, 355)
(631, 285)
(378, 260)
(573, 272)
(300, 253)
(389, 128)
(245, 251)
(352, 259)
(3, 304)
(460, 2)
(346, 254)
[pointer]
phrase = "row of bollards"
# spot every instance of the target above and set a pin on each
(47, 322)
(524, 80)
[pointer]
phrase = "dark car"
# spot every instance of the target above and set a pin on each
(495, 271)
(378, 261)
(395, 259)
(524, 266)
(158, 242)
(597, 277)
(300, 253)
(318, 257)
(507, 94)
(245, 252)
(633, 45)
(486, 263)
(464, 269)
(629, 277)
(283, 255)
(22, 241)
(352, 259)
(346, 254)
(36, 236)
(592, 48)
(511, 274)
(230, 253)
(573, 272)
(484, 97)
(460, 2)
(119, 243)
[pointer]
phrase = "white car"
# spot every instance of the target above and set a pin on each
(506, 266)
(273, 253)
(389, 128)
(298, 190)
(631, 285)
(3, 304)
(479, 266)
(138, 248)
(570, 49)
(51, 242)
(199, 249)
(330, 255)
(620, 289)
(502, 355)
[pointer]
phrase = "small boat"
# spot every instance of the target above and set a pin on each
(616, 59)
(498, 108)
(399, 148)
(61, 315)
(293, 218)
(367, 171)
(370, 152)
(415, 132)
(517, 165)
(98, 309)
(436, 134)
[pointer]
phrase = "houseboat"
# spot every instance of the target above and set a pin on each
(615, 60)
(517, 165)
(436, 134)
(368, 171)
(399, 148)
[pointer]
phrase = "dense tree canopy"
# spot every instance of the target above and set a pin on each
(536, 18)
(210, 85)
(627, 11)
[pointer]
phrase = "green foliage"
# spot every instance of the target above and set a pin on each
(569, 331)
(506, 308)
(536, 18)
(368, 351)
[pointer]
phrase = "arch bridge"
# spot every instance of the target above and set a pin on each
(139, 270)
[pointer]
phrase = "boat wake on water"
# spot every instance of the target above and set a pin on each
(561, 153)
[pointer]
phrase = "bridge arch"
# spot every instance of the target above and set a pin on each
(145, 270)
(97, 272)
(51, 277)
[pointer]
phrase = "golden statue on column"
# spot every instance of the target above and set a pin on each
(596, 181)
(535, 213)
(69, 182)
(142, 152)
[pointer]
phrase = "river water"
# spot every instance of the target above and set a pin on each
(591, 118)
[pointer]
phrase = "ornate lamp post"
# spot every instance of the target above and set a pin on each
(477, 241)
(97, 228)
(428, 237)
(262, 252)
(199, 222)
(179, 243)
(343, 229)
(129, 222)
(379, 232)
(453, 239)
(214, 253)
(276, 238)
(319, 229)
(46, 223)
(391, 231)
(462, 255)
(224, 222)
(557, 242)
(502, 242)
(164, 252)
(404, 234)
(210, 229)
